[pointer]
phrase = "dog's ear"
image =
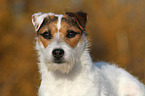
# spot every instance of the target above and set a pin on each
(80, 17)
(37, 19)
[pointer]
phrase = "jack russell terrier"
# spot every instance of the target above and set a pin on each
(66, 66)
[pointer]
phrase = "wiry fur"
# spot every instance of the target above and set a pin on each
(79, 76)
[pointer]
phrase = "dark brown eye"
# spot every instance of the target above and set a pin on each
(71, 34)
(46, 35)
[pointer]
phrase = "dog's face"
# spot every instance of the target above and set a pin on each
(60, 39)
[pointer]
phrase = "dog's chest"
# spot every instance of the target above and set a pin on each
(78, 87)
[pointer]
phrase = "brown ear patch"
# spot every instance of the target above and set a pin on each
(80, 17)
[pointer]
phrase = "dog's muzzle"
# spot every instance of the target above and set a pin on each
(58, 55)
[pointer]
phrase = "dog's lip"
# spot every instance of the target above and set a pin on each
(58, 61)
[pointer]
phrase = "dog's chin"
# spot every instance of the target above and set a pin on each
(60, 66)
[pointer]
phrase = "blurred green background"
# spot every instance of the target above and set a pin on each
(116, 31)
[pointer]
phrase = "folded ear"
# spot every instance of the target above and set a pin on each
(38, 18)
(80, 17)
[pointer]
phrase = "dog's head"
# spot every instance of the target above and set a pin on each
(61, 39)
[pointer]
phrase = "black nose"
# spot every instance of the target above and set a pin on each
(58, 53)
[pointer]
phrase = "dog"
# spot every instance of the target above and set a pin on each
(65, 64)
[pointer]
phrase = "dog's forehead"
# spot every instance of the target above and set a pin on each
(38, 19)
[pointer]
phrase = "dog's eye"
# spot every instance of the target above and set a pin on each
(46, 35)
(71, 34)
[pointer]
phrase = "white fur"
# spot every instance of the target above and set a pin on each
(82, 77)
(59, 23)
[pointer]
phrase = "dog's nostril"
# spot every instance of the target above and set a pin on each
(58, 53)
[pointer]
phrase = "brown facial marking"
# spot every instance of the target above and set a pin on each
(43, 41)
(67, 24)
(47, 20)
(49, 25)
(71, 21)
(65, 27)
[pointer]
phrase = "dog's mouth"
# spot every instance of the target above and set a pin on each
(58, 61)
